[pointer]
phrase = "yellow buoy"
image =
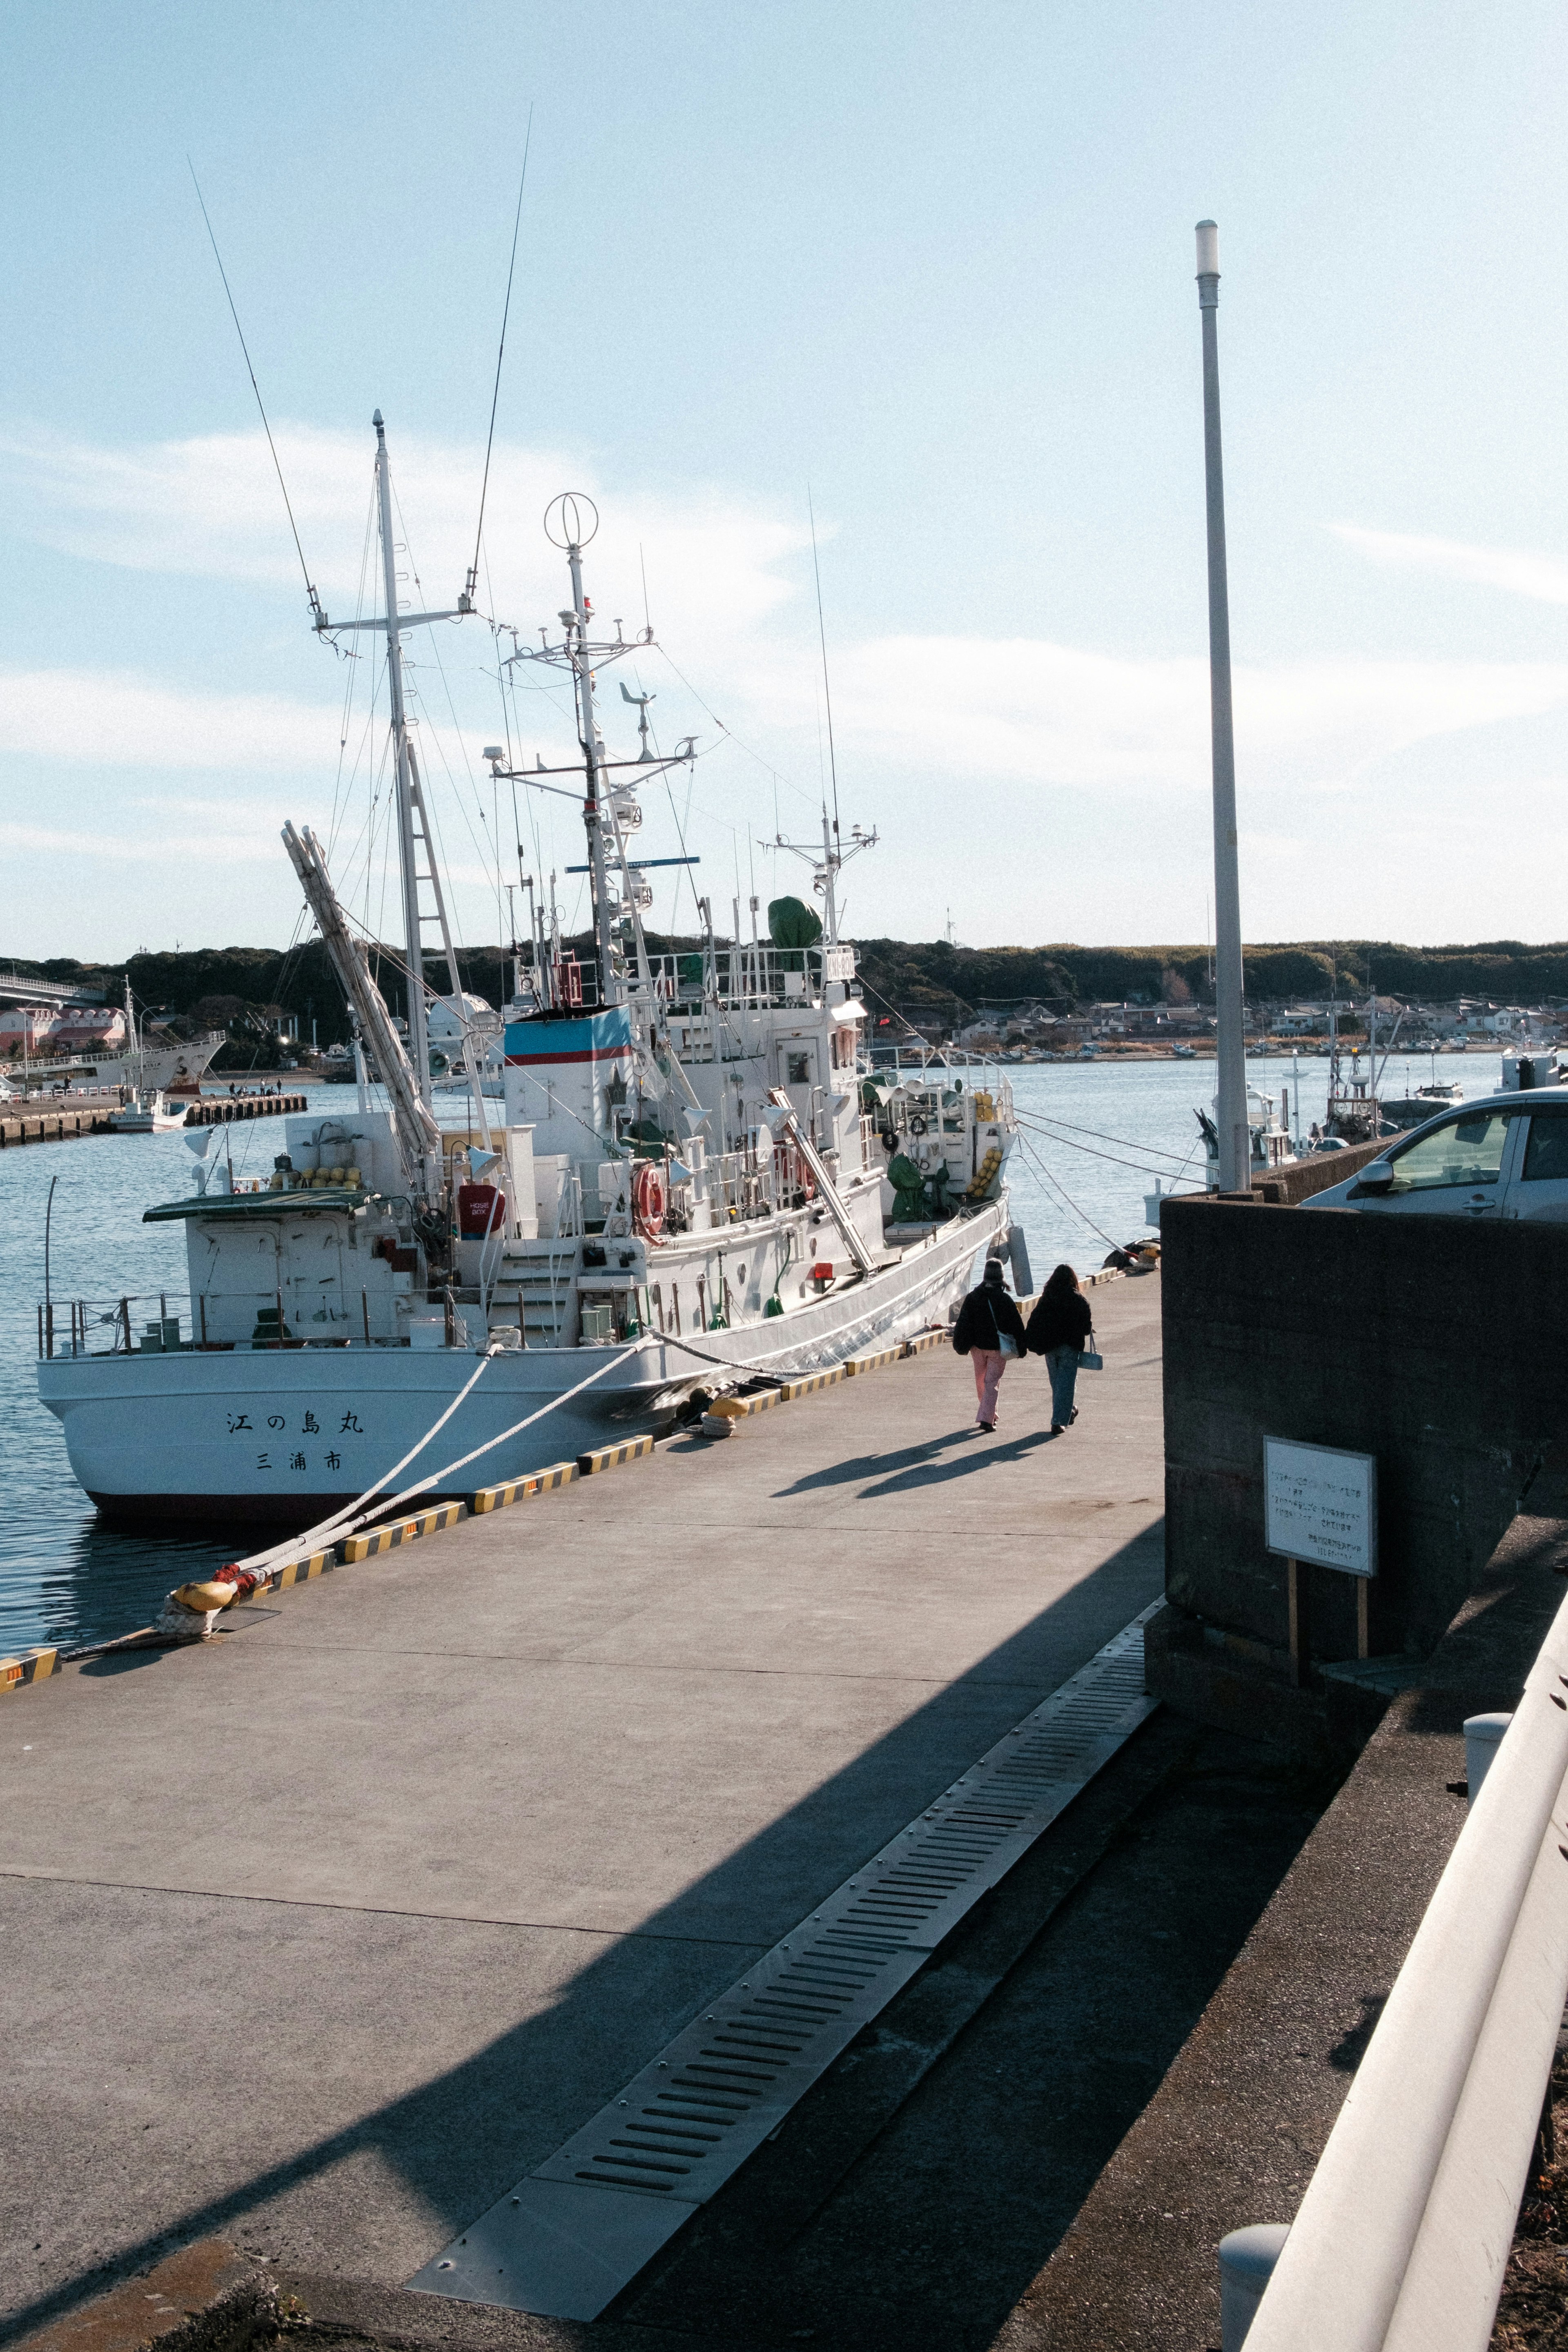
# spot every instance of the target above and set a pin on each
(200, 1598)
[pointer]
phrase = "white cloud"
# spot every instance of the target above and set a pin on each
(211, 508)
(218, 843)
(1055, 715)
(99, 719)
(1517, 569)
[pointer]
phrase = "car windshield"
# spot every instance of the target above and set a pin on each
(1466, 1150)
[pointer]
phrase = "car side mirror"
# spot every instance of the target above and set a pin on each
(1377, 1176)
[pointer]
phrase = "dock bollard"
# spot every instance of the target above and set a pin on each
(1482, 1736)
(1246, 2260)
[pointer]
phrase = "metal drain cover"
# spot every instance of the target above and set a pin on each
(566, 2239)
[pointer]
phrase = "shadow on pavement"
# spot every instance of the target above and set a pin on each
(462, 2139)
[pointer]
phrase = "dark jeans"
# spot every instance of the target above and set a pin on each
(1062, 1365)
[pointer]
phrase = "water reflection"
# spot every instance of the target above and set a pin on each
(102, 1581)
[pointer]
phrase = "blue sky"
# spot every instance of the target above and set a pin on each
(936, 263)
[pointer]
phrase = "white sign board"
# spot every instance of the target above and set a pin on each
(1321, 1505)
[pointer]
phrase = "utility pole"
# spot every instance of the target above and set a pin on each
(1230, 1041)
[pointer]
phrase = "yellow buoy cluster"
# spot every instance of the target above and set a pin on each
(316, 1179)
(985, 1174)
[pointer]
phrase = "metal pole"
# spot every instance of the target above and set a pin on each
(1230, 1044)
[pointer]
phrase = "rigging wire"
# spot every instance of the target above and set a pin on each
(767, 765)
(256, 388)
(1041, 1169)
(1042, 1126)
(827, 690)
(500, 355)
(1128, 1142)
(1138, 1167)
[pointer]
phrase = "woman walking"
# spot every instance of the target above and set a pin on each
(1057, 1329)
(989, 1331)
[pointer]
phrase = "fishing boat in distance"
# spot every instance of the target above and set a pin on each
(695, 1181)
(147, 1113)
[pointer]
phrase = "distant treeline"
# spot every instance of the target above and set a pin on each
(1509, 971)
(242, 988)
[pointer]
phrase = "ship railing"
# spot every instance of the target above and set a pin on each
(163, 1322)
(749, 977)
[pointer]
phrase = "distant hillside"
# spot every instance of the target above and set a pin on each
(239, 987)
(910, 972)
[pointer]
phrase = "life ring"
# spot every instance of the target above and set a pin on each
(650, 1199)
(917, 1126)
(791, 1173)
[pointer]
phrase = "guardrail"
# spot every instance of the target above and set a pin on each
(1404, 2234)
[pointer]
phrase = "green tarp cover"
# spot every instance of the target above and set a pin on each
(791, 924)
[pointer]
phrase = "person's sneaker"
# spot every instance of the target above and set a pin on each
(1057, 1428)
(988, 1426)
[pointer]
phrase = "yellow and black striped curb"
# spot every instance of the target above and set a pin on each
(36, 1665)
(518, 1490)
(610, 1457)
(811, 1380)
(32, 1666)
(402, 1531)
(299, 1572)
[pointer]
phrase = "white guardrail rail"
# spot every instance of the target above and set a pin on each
(1404, 2234)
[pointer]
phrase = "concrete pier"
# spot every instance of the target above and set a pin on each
(319, 1936)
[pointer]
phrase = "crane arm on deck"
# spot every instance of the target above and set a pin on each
(417, 1130)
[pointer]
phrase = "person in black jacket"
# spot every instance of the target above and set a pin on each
(1058, 1327)
(989, 1329)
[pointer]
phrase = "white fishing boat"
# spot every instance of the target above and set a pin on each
(694, 1181)
(146, 1113)
(146, 1109)
(1267, 1126)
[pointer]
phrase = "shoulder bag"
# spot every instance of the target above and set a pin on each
(1091, 1360)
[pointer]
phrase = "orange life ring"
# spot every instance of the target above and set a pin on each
(791, 1173)
(650, 1199)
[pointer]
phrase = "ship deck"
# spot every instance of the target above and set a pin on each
(322, 1934)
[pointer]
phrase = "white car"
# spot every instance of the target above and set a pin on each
(1505, 1156)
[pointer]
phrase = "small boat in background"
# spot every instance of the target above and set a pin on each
(148, 1114)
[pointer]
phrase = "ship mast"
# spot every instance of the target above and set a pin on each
(612, 977)
(827, 868)
(570, 521)
(418, 1026)
(413, 833)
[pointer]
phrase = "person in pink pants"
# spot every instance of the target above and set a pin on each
(989, 1330)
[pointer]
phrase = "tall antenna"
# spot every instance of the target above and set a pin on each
(465, 600)
(310, 588)
(822, 634)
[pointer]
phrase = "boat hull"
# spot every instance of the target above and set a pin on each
(278, 1437)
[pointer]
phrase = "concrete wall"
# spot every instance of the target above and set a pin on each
(1437, 1344)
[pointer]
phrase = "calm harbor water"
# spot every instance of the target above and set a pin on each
(1094, 1137)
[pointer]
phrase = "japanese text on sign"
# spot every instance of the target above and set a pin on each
(1321, 1505)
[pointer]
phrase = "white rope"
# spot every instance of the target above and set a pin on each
(333, 1524)
(517, 1428)
(343, 1522)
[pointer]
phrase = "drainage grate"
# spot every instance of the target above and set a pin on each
(568, 2239)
